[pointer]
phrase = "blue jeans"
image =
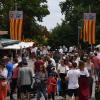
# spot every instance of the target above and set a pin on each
(43, 91)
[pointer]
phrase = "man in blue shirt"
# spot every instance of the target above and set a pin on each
(9, 66)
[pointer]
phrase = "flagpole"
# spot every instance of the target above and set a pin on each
(15, 5)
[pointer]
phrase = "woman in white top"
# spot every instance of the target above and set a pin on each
(3, 82)
(73, 86)
(62, 68)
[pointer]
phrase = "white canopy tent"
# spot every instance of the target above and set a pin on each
(98, 46)
(13, 47)
(26, 44)
(19, 46)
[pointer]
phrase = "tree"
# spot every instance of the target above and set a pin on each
(67, 32)
(42, 35)
(62, 35)
(34, 10)
(74, 9)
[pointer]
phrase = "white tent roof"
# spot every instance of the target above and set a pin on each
(26, 44)
(98, 46)
(21, 45)
(15, 46)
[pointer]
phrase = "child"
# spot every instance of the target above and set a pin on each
(51, 87)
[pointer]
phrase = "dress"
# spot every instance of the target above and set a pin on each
(51, 85)
(3, 84)
(84, 92)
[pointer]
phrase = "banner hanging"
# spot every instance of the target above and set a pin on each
(89, 27)
(16, 20)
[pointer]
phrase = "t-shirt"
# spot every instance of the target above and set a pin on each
(15, 65)
(52, 85)
(15, 73)
(61, 51)
(63, 69)
(9, 67)
(84, 72)
(96, 62)
(73, 76)
(4, 73)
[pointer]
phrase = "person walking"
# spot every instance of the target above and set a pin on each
(3, 82)
(14, 79)
(41, 80)
(25, 79)
(62, 73)
(90, 67)
(84, 92)
(73, 87)
(9, 66)
(51, 86)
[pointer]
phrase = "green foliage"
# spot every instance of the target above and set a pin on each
(33, 11)
(60, 35)
(67, 32)
(75, 10)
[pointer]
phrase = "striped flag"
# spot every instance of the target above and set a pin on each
(11, 18)
(84, 31)
(87, 31)
(81, 34)
(89, 27)
(93, 31)
(16, 20)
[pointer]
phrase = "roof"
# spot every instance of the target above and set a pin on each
(5, 42)
(20, 45)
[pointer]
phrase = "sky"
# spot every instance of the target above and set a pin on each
(50, 21)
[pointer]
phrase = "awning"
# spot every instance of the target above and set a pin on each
(6, 42)
(26, 44)
(13, 47)
(19, 46)
(98, 46)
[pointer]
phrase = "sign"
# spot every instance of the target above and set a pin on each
(16, 14)
(90, 16)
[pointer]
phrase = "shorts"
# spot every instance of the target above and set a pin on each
(25, 88)
(74, 92)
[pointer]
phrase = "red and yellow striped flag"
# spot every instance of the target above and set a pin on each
(89, 27)
(84, 31)
(11, 19)
(81, 34)
(90, 32)
(87, 31)
(20, 29)
(16, 20)
(93, 31)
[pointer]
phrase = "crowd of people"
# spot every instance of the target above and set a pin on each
(62, 72)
